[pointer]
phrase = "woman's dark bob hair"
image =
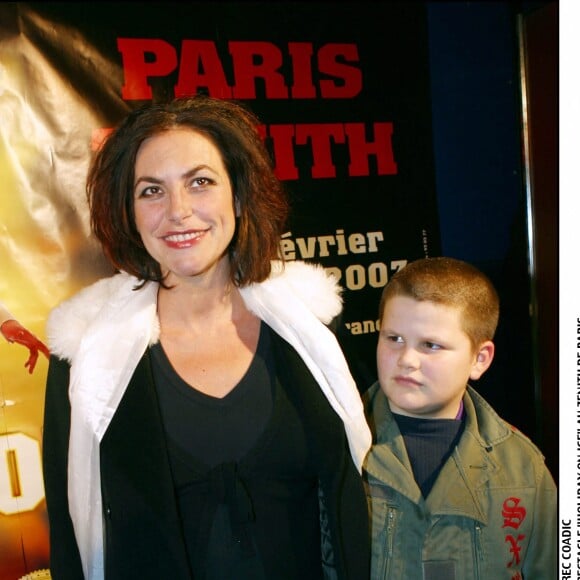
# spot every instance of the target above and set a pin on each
(260, 197)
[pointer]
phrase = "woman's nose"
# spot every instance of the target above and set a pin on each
(180, 205)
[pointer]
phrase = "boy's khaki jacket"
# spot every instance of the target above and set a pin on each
(491, 514)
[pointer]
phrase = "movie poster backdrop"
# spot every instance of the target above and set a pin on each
(342, 90)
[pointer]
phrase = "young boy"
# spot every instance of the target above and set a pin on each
(455, 492)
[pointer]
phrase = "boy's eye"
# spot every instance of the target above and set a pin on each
(432, 346)
(395, 338)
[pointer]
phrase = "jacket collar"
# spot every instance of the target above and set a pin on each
(467, 470)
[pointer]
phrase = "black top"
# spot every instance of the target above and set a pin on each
(207, 429)
(429, 444)
(221, 516)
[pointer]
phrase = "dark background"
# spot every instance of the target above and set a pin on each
(497, 208)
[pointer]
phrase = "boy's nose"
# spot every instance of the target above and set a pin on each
(409, 358)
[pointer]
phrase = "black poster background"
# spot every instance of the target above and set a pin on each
(393, 60)
(61, 79)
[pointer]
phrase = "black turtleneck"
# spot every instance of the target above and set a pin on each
(429, 444)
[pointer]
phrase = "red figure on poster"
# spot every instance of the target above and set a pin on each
(13, 331)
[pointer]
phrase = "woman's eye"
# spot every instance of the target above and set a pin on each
(200, 182)
(150, 191)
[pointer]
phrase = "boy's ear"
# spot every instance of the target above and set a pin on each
(483, 359)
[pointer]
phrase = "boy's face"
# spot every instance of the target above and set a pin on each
(425, 359)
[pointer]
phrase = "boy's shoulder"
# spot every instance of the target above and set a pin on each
(489, 420)
(497, 433)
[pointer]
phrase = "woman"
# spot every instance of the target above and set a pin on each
(200, 418)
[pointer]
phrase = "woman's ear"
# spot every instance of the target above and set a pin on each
(483, 358)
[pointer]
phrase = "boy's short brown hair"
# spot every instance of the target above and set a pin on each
(454, 283)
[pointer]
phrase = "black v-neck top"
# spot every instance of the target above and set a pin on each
(213, 430)
(243, 475)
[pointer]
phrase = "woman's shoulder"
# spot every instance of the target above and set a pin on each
(310, 283)
(68, 320)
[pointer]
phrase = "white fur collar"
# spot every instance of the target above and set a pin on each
(70, 321)
(104, 330)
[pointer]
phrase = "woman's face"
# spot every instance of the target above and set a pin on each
(184, 204)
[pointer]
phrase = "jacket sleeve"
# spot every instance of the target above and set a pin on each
(65, 563)
(541, 560)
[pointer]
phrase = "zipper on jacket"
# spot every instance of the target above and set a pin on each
(389, 541)
(479, 556)
(391, 519)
